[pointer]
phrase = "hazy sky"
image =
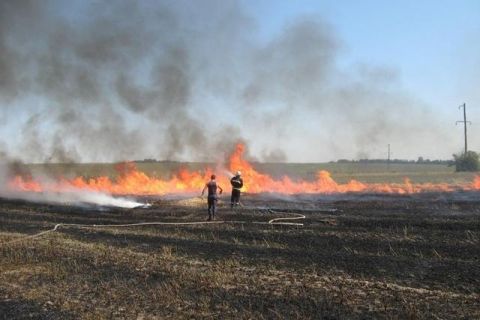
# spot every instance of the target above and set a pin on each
(298, 81)
(433, 46)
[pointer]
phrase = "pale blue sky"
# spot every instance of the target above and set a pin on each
(433, 45)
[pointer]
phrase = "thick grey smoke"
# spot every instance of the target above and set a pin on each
(70, 196)
(123, 80)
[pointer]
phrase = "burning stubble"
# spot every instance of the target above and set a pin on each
(131, 181)
(12, 172)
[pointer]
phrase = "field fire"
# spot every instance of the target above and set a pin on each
(293, 249)
(239, 160)
(131, 181)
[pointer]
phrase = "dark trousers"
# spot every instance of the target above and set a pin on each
(235, 199)
(212, 204)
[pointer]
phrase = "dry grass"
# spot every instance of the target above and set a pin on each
(399, 259)
(341, 172)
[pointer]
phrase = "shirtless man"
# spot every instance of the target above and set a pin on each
(212, 186)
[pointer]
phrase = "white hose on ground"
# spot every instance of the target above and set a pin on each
(275, 221)
(296, 217)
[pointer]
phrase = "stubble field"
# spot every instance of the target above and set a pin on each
(355, 257)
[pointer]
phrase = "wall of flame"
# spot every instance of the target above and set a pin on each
(131, 181)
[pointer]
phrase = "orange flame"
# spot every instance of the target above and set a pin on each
(134, 182)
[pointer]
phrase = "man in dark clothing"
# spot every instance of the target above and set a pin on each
(237, 184)
(212, 186)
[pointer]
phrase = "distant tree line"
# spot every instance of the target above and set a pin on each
(462, 162)
(420, 160)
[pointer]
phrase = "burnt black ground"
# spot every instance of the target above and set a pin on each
(374, 257)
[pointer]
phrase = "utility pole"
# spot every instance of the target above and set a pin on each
(388, 159)
(464, 106)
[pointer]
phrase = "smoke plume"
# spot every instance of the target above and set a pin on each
(121, 80)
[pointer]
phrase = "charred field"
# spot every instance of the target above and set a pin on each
(355, 257)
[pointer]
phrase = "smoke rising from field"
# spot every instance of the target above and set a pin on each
(69, 196)
(112, 81)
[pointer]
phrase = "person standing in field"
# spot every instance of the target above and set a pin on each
(237, 184)
(212, 198)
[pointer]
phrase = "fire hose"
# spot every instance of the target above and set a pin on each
(275, 221)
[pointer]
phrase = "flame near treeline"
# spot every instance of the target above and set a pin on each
(131, 181)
